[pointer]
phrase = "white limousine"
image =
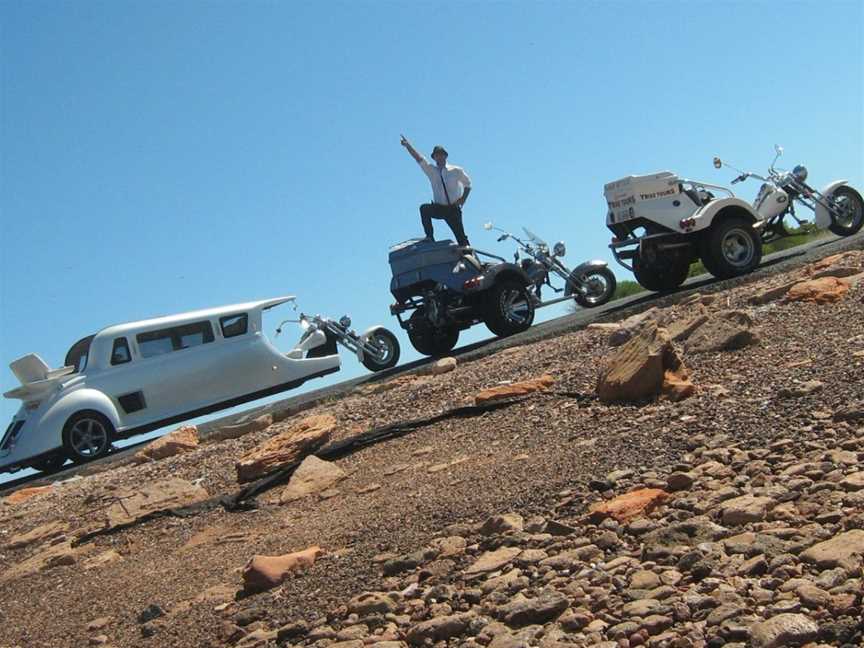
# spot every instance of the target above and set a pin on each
(133, 378)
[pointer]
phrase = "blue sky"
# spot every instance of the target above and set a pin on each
(164, 156)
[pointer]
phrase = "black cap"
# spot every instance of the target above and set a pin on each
(439, 149)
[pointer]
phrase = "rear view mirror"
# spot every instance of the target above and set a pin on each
(718, 163)
(778, 149)
(487, 225)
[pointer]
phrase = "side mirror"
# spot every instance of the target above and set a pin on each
(487, 225)
(778, 149)
(718, 163)
(345, 321)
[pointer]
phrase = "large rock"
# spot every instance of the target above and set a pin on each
(48, 557)
(291, 444)
(745, 509)
(827, 290)
(724, 331)
(183, 439)
(312, 476)
(438, 629)
(830, 553)
(24, 494)
(513, 390)
(240, 429)
(126, 506)
(266, 572)
(38, 535)
(662, 542)
(492, 560)
(541, 609)
(783, 630)
(640, 368)
(371, 603)
(502, 524)
(629, 505)
(442, 366)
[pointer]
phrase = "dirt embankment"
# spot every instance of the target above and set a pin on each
(731, 513)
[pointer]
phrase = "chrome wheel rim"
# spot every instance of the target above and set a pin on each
(383, 349)
(88, 438)
(738, 248)
(596, 287)
(847, 212)
(515, 307)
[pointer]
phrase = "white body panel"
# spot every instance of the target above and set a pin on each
(658, 198)
(177, 384)
(770, 201)
(823, 218)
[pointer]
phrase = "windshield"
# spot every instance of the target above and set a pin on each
(534, 237)
(77, 355)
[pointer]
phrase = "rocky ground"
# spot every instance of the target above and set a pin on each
(707, 491)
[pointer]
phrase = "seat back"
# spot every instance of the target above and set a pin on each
(29, 368)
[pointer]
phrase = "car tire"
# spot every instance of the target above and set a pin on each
(386, 340)
(430, 340)
(509, 308)
(87, 436)
(661, 277)
(856, 209)
(50, 464)
(731, 248)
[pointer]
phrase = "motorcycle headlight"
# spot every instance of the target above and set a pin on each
(345, 321)
(800, 173)
(560, 249)
(304, 323)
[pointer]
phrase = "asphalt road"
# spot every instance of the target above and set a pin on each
(773, 263)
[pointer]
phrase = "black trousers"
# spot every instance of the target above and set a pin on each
(451, 214)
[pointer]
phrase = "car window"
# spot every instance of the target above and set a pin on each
(233, 325)
(153, 343)
(120, 353)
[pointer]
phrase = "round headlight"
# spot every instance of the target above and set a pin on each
(345, 321)
(560, 249)
(800, 173)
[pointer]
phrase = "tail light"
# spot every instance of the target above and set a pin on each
(687, 223)
(471, 284)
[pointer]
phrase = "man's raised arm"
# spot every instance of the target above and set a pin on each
(404, 142)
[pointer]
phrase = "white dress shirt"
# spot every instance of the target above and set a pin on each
(453, 177)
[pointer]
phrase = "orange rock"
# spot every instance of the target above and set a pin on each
(183, 439)
(25, 494)
(628, 506)
(513, 390)
(638, 369)
(827, 290)
(292, 444)
(266, 572)
(677, 385)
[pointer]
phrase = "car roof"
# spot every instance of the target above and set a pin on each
(182, 318)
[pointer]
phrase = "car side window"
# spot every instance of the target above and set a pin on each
(234, 325)
(153, 343)
(120, 353)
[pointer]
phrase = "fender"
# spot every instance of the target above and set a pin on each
(50, 429)
(705, 216)
(823, 216)
(501, 270)
(594, 264)
(365, 337)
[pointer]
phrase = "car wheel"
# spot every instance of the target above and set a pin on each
(509, 308)
(87, 436)
(661, 277)
(430, 340)
(731, 248)
(850, 211)
(384, 340)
